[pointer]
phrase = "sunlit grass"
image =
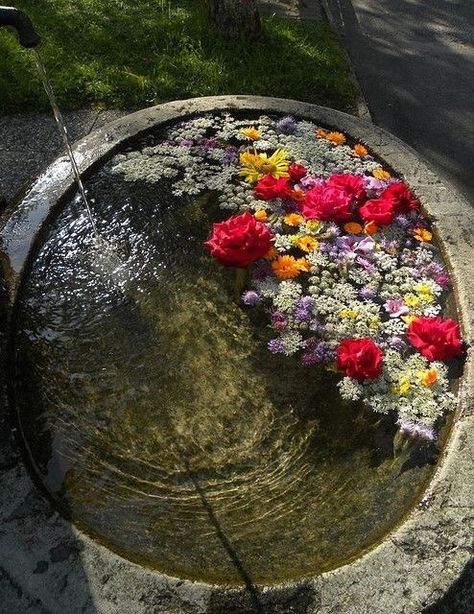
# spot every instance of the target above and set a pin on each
(118, 53)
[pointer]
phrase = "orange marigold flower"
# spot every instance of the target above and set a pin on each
(379, 173)
(422, 234)
(307, 243)
(271, 254)
(428, 377)
(360, 151)
(354, 228)
(336, 137)
(293, 219)
(320, 133)
(287, 267)
(371, 228)
(261, 215)
(251, 133)
(297, 195)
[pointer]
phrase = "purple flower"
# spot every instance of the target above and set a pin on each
(402, 221)
(309, 182)
(186, 143)
(210, 143)
(321, 352)
(304, 309)
(230, 155)
(367, 293)
(286, 125)
(395, 307)
(251, 298)
(443, 280)
(316, 326)
(276, 346)
(375, 186)
(309, 359)
(396, 343)
(415, 430)
(279, 320)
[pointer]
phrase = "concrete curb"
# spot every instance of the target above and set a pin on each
(409, 571)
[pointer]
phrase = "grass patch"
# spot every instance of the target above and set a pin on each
(134, 53)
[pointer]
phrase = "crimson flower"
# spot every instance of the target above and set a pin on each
(268, 187)
(239, 241)
(436, 338)
(361, 359)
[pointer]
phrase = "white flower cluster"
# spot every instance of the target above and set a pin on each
(325, 282)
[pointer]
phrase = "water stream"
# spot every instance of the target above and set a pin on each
(64, 134)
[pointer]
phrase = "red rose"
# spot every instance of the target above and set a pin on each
(268, 188)
(403, 198)
(351, 185)
(239, 241)
(297, 172)
(378, 210)
(436, 338)
(326, 203)
(359, 358)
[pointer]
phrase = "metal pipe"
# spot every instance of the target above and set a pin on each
(27, 35)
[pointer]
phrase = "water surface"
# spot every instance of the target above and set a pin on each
(158, 420)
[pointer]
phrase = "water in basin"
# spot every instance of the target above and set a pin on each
(159, 422)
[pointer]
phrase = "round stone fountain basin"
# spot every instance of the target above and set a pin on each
(152, 413)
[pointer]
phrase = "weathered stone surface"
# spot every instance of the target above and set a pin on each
(48, 565)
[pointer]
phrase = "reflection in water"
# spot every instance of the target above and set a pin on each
(151, 405)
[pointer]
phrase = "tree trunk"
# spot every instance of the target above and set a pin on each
(235, 18)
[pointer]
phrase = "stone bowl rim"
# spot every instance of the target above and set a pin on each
(20, 231)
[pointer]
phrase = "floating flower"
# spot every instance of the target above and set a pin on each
(352, 186)
(337, 138)
(422, 234)
(287, 267)
(403, 198)
(402, 387)
(436, 338)
(306, 243)
(251, 298)
(270, 187)
(328, 204)
(428, 377)
(418, 431)
(261, 215)
(349, 314)
(412, 300)
(239, 241)
(255, 166)
(359, 150)
(293, 219)
(286, 125)
(271, 254)
(360, 359)
(321, 133)
(395, 308)
(378, 211)
(297, 172)
(353, 228)
(379, 173)
(251, 133)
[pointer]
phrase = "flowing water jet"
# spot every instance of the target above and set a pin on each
(107, 254)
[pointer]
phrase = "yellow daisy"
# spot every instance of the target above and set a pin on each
(255, 166)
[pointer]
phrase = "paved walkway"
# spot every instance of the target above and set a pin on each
(415, 63)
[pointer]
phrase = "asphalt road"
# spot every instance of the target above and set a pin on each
(414, 60)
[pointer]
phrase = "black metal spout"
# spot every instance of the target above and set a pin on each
(27, 35)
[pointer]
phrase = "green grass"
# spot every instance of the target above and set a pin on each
(134, 53)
